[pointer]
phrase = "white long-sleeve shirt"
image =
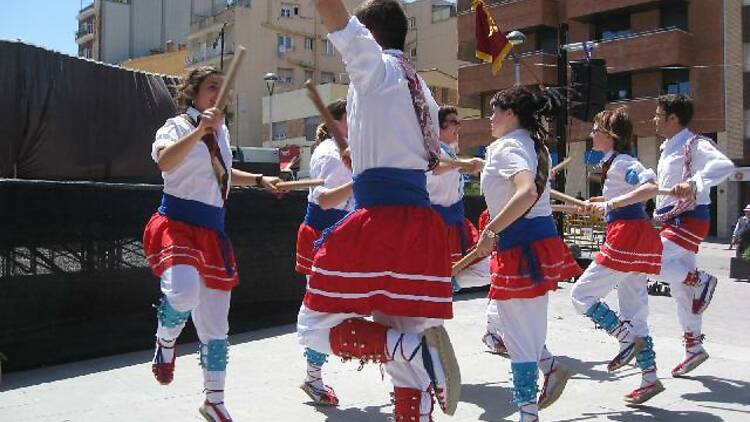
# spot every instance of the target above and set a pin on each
(383, 127)
(326, 164)
(709, 167)
(625, 175)
(194, 177)
(448, 188)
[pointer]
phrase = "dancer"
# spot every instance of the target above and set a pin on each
(326, 205)
(403, 280)
(531, 258)
(689, 165)
(631, 251)
(445, 185)
(185, 242)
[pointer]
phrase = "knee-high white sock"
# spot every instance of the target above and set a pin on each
(213, 383)
(547, 361)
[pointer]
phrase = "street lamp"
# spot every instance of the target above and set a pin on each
(516, 38)
(270, 79)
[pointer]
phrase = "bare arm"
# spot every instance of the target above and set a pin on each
(243, 178)
(334, 14)
(518, 204)
(335, 196)
(644, 192)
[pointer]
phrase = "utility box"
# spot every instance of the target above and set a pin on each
(256, 160)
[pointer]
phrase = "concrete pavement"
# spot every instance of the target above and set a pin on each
(266, 367)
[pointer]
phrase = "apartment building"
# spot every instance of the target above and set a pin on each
(113, 31)
(651, 47)
(432, 38)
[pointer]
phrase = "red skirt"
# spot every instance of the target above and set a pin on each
(306, 235)
(688, 234)
(631, 246)
(509, 277)
(169, 242)
(454, 239)
(391, 259)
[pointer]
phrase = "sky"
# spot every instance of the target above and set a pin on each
(46, 23)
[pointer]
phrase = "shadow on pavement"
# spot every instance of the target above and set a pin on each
(33, 377)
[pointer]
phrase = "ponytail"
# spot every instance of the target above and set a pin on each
(337, 109)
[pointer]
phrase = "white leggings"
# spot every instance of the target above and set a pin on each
(184, 289)
(676, 263)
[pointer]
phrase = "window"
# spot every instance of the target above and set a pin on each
(327, 78)
(285, 44)
(289, 10)
(279, 130)
(675, 15)
(412, 23)
(309, 43)
(309, 75)
(311, 126)
(613, 27)
(286, 76)
(619, 86)
(328, 49)
(546, 40)
(675, 81)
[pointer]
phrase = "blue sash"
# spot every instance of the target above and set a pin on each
(700, 212)
(454, 216)
(198, 214)
(630, 212)
(390, 186)
(384, 186)
(523, 232)
(321, 219)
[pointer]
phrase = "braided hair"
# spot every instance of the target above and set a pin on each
(531, 109)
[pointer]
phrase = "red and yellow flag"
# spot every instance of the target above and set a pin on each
(492, 46)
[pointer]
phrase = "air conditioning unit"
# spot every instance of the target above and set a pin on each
(256, 160)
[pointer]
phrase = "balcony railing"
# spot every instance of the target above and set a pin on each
(215, 9)
(208, 54)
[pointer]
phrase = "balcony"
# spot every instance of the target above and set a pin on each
(477, 79)
(215, 16)
(645, 50)
(85, 33)
(586, 10)
(509, 15)
(209, 57)
(87, 11)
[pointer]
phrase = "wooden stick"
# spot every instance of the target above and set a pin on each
(226, 87)
(567, 209)
(300, 184)
(664, 192)
(566, 198)
(464, 262)
(330, 123)
(465, 165)
(561, 165)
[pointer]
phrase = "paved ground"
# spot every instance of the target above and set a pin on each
(266, 367)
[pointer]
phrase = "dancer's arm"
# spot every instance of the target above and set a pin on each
(173, 154)
(523, 199)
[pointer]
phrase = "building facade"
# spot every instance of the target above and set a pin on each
(651, 47)
(113, 31)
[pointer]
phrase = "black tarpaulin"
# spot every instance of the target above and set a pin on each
(65, 118)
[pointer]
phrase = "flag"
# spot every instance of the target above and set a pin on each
(492, 46)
